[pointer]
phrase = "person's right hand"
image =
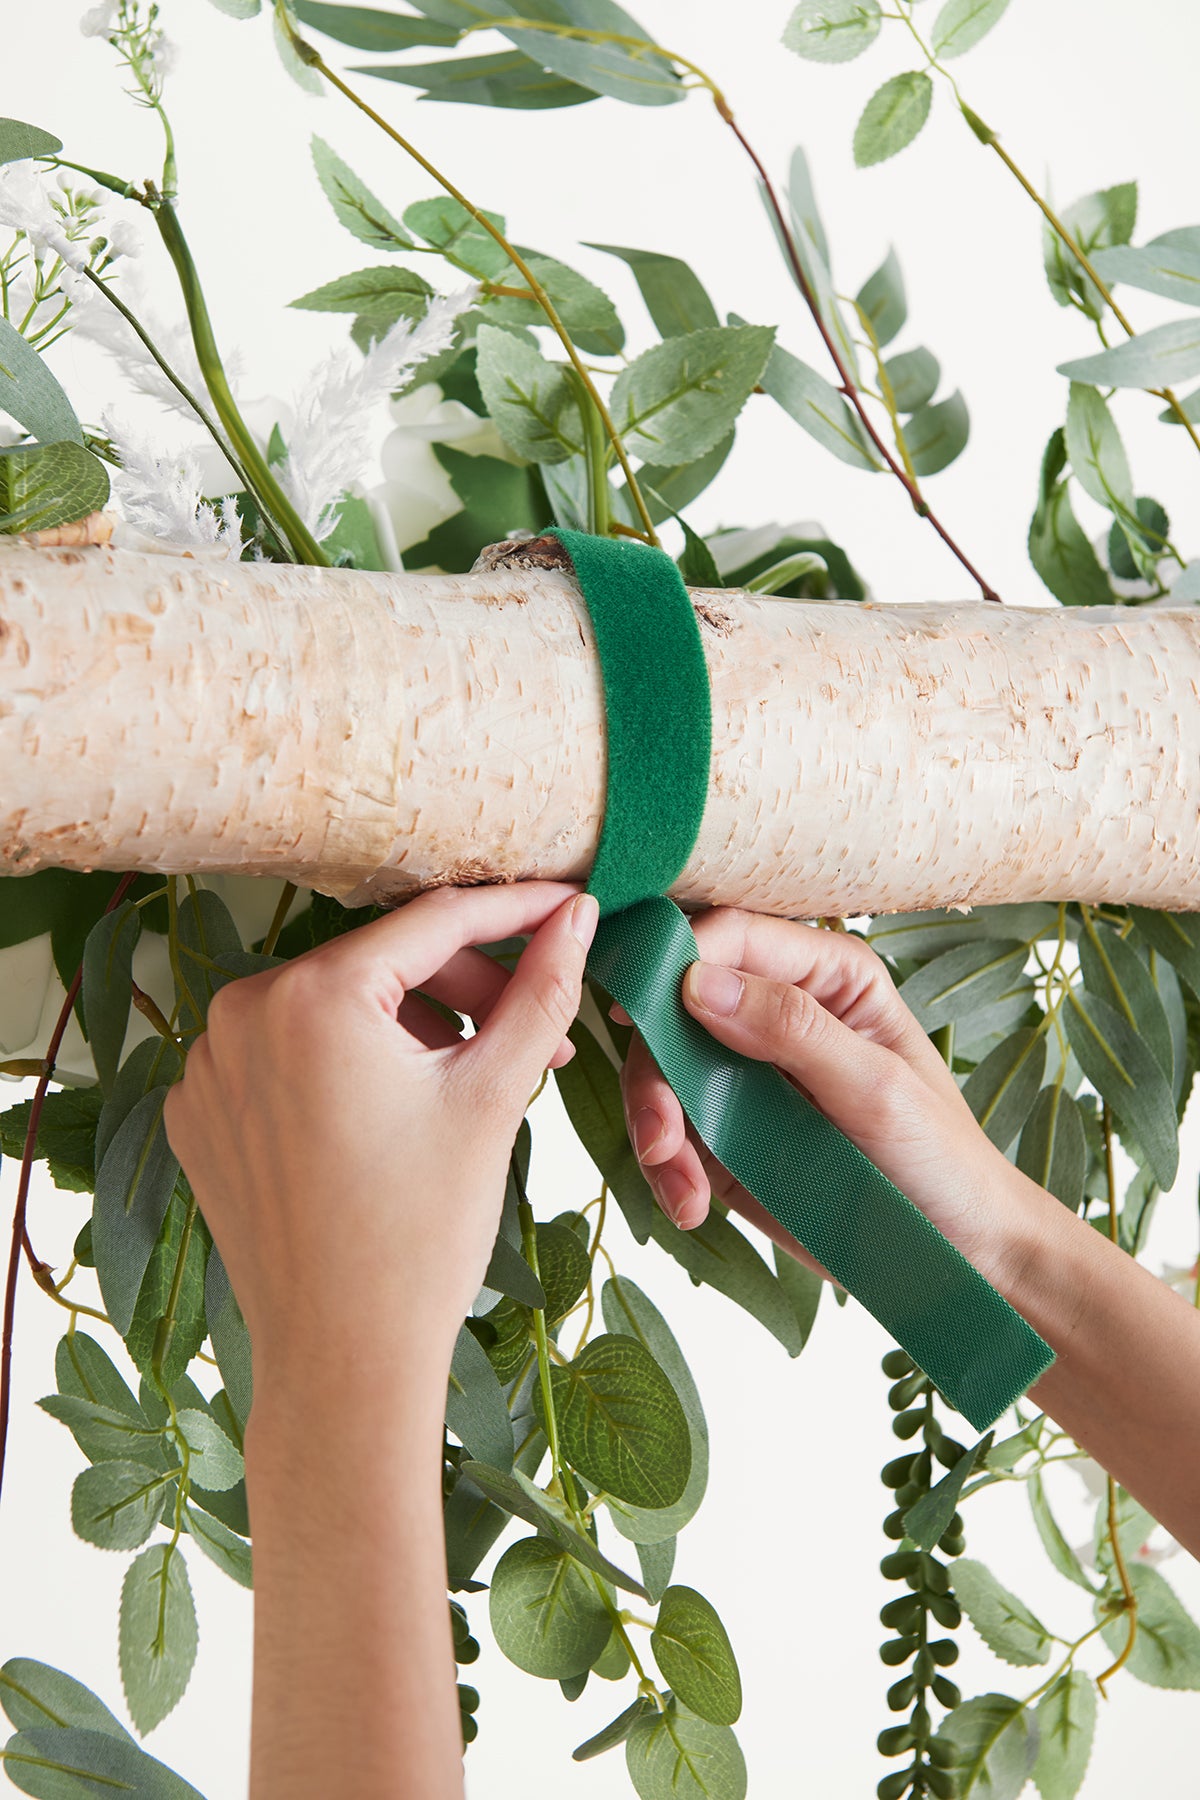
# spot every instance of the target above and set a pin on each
(822, 1007)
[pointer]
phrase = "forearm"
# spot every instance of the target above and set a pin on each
(1126, 1382)
(354, 1687)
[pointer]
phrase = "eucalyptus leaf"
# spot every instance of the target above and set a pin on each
(1005, 1624)
(1054, 1543)
(1112, 969)
(892, 117)
(673, 1755)
(154, 1063)
(693, 1652)
(632, 72)
(936, 434)
(1166, 1650)
(476, 1410)
(564, 1267)
(531, 400)
(157, 1634)
(1172, 272)
(518, 1495)
(116, 1505)
(367, 28)
(1053, 1148)
(718, 1254)
(31, 395)
(1059, 549)
(959, 981)
(134, 1185)
(929, 934)
(1096, 222)
(961, 23)
(70, 1763)
(506, 78)
(1096, 453)
(914, 376)
(675, 296)
(546, 1613)
(1175, 936)
(21, 143)
(818, 408)
(230, 1339)
(928, 1518)
(678, 400)
(1002, 1089)
(207, 934)
(43, 485)
(806, 215)
(355, 206)
(656, 1562)
(802, 1286)
(1066, 1720)
(627, 1310)
(108, 986)
(833, 31)
(230, 1552)
(620, 1422)
(1151, 360)
(1123, 1071)
(35, 1695)
(883, 300)
(613, 1734)
(997, 1741)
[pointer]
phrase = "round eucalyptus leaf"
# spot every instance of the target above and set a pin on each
(673, 1755)
(547, 1615)
(692, 1648)
(564, 1267)
(620, 1422)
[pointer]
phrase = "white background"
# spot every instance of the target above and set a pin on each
(1086, 93)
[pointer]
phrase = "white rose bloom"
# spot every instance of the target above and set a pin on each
(416, 492)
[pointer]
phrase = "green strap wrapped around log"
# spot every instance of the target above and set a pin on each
(821, 1187)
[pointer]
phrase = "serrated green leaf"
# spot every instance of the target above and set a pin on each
(134, 1184)
(961, 23)
(1124, 1072)
(673, 1755)
(585, 309)
(960, 981)
(476, 1410)
(239, 9)
(1001, 1091)
(107, 986)
(214, 1463)
(20, 142)
(1166, 1650)
(914, 376)
(1152, 359)
(367, 28)
(66, 1135)
(928, 1518)
(354, 205)
(620, 1422)
(679, 399)
(1066, 1720)
(116, 1505)
(693, 1652)
(892, 117)
(832, 31)
(627, 1310)
(1005, 1624)
(104, 1433)
(997, 1742)
(31, 395)
(508, 78)
(231, 1553)
(43, 485)
(1096, 222)
(518, 1495)
(384, 291)
(883, 300)
(818, 408)
(1053, 1148)
(675, 296)
(157, 1634)
(458, 234)
(531, 400)
(936, 434)
(546, 1614)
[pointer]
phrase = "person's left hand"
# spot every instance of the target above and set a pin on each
(348, 1150)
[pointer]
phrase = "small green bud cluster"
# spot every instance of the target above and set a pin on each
(466, 1650)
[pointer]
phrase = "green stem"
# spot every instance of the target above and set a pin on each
(262, 481)
(287, 895)
(595, 451)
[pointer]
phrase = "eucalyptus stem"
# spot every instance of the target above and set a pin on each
(1130, 1607)
(286, 896)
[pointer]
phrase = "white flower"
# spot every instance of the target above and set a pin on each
(98, 21)
(416, 492)
(163, 496)
(330, 439)
(26, 206)
(164, 54)
(1182, 1280)
(124, 238)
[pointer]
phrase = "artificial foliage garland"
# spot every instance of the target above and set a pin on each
(169, 1455)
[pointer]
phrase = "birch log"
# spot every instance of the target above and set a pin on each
(369, 735)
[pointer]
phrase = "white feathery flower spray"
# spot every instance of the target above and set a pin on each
(96, 319)
(162, 496)
(330, 444)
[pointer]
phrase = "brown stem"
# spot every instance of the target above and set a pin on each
(20, 1236)
(849, 388)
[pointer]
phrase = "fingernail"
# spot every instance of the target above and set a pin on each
(647, 1129)
(716, 989)
(674, 1191)
(585, 915)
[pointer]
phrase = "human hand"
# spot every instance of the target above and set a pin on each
(348, 1150)
(822, 1007)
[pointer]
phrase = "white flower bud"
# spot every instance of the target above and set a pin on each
(97, 21)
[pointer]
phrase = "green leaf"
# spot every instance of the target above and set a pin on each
(656, 1562)
(134, 1184)
(806, 215)
(620, 1422)
(803, 1288)
(926, 934)
(1096, 453)
(42, 485)
(176, 1268)
(1124, 1072)
(108, 986)
(668, 490)
(239, 9)
(157, 1634)
(35, 1695)
(116, 1505)
(531, 400)
(672, 1755)
(961, 23)
(230, 1552)
(1096, 222)
(675, 296)
(564, 1267)
(692, 1649)
(626, 73)
(1175, 936)
(1112, 969)
(476, 1410)
(718, 1254)
(832, 31)
(84, 1371)
(546, 1614)
(696, 564)
(997, 1743)
(458, 234)
(66, 1135)
(1059, 549)
(928, 1518)
(959, 981)
(679, 399)
(366, 28)
(1053, 1541)
(613, 1734)
(207, 933)
(914, 376)
(586, 310)
(31, 395)
(21, 143)
(892, 117)
(355, 206)
(591, 1095)
(104, 1433)
(1001, 1091)
(818, 408)
(1053, 1149)
(936, 434)
(1138, 544)
(386, 293)
(1152, 359)
(813, 258)
(883, 300)
(1135, 1522)
(509, 1274)
(507, 78)
(498, 498)
(1174, 273)
(627, 1310)
(1066, 1721)
(520, 1496)
(214, 1462)
(1166, 1651)
(1005, 1624)
(70, 1763)
(783, 576)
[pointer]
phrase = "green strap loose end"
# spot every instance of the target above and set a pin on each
(819, 1185)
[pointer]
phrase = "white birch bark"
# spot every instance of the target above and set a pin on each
(367, 735)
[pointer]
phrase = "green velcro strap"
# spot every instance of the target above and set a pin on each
(819, 1185)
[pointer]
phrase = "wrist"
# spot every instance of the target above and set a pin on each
(1039, 1256)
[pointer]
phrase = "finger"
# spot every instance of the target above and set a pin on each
(525, 1028)
(407, 947)
(670, 1158)
(472, 982)
(618, 1015)
(839, 970)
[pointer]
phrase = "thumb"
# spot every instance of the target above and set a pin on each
(529, 1020)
